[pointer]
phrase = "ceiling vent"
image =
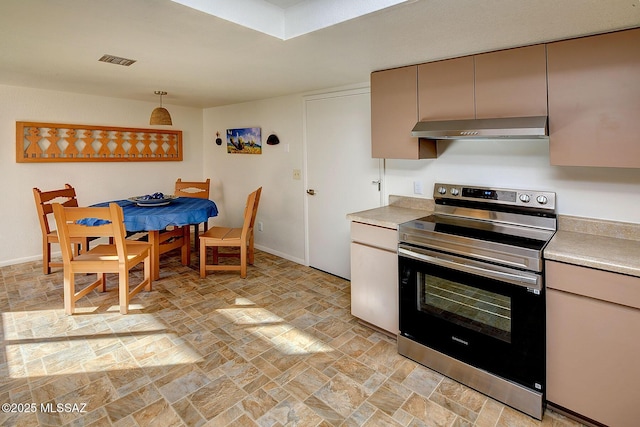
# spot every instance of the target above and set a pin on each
(116, 60)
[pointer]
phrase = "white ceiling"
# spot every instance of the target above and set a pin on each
(288, 19)
(285, 3)
(205, 61)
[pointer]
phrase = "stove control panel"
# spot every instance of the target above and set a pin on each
(526, 198)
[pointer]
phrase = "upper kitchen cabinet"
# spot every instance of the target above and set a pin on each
(511, 83)
(394, 112)
(594, 96)
(507, 83)
(446, 90)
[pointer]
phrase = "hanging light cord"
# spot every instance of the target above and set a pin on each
(161, 93)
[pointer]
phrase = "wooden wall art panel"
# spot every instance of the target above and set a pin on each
(55, 142)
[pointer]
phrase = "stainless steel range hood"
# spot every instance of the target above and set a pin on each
(508, 127)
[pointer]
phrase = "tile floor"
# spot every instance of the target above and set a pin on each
(279, 348)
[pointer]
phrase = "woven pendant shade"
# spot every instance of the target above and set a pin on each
(160, 115)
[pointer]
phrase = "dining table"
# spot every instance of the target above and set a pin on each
(166, 224)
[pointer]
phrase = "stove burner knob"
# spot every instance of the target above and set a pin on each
(442, 190)
(524, 198)
(542, 199)
(455, 191)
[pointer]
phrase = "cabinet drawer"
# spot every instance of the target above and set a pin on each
(589, 282)
(372, 235)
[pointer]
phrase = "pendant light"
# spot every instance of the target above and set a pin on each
(160, 116)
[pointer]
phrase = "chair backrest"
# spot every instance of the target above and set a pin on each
(196, 189)
(250, 211)
(90, 222)
(45, 200)
(254, 211)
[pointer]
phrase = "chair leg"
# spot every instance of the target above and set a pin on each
(147, 273)
(103, 278)
(203, 258)
(69, 290)
(123, 290)
(85, 245)
(46, 257)
(251, 250)
(243, 261)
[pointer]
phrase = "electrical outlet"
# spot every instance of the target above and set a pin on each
(260, 226)
(417, 187)
(297, 174)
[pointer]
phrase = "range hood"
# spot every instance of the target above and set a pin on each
(508, 127)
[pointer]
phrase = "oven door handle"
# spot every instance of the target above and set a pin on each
(533, 282)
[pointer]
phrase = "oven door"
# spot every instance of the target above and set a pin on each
(488, 316)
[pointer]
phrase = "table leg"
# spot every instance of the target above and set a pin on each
(154, 239)
(186, 245)
(169, 240)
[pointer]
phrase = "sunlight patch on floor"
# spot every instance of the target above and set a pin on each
(284, 337)
(70, 344)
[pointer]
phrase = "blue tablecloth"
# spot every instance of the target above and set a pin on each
(181, 211)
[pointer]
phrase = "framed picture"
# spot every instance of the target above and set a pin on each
(244, 141)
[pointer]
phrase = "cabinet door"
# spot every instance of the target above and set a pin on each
(592, 344)
(445, 89)
(511, 83)
(374, 286)
(594, 94)
(394, 112)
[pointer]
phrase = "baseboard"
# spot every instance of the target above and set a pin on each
(25, 259)
(574, 415)
(280, 254)
(58, 254)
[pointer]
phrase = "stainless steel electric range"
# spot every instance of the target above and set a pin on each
(472, 296)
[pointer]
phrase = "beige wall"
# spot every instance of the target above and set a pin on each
(605, 193)
(94, 182)
(234, 176)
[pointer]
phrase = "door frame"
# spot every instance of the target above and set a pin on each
(355, 90)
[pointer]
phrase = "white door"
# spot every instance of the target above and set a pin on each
(339, 172)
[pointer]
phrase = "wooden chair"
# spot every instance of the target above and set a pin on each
(241, 238)
(194, 189)
(119, 257)
(44, 205)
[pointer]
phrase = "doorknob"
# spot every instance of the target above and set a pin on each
(311, 192)
(377, 182)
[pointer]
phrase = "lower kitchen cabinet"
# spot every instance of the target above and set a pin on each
(593, 343)
(374, 275)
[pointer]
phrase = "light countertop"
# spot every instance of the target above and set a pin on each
(399, 210)
(605, 245)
